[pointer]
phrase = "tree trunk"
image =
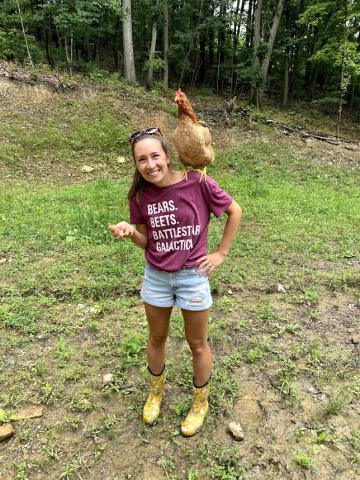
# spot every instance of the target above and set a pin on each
(286, 80)
(166, 44)
(257, 26)
(314, 81)
(115, 46)
(24, 34)
(249, 25)
(98, 42)
(68, 54)
(202, 57)
(344, 82)
(266, 62)
(129, 63)
(239, 20)
(47, 47)
(352, 95)
(211, 45)
(150, 77)
(236, 20)
(221, 35)
(341, 94)
(256, 44)
(353, 81)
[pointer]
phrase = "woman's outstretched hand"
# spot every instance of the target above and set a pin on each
(122, 230)
(205, 265)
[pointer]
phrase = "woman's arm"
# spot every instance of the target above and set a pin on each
(207, 263)
(140, 237)
(234, 214)
(137, 234)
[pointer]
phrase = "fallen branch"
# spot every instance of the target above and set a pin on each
(305, 134)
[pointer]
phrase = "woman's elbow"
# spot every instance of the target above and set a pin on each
(235, 211)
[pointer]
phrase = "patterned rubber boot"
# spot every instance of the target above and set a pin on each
(153, 402)
(196, 416)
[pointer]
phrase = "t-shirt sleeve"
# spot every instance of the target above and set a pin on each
(136, 217)
(218, 199)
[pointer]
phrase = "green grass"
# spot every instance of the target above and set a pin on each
(70, 309)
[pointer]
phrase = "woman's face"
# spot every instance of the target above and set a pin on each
(151, 161)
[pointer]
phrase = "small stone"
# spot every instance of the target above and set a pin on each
(3, 260)
(230, 292)
(355, 339)
(311, 389)
(236, 430)
(121, 159)
(108, 379)
(26, 413)
(280, 288)
(87, 169)
(256, 469)
(6, 431)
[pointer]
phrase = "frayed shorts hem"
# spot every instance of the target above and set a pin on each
(182, 305)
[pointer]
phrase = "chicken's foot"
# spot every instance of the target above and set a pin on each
(202, 173)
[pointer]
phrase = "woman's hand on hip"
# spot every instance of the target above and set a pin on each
(205, 265)
(122, 230)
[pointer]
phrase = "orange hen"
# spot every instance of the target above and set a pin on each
(192, 140)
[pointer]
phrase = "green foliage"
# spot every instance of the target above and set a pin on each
(249, 75)
(12, 44)
(304, 460)
(210, 43)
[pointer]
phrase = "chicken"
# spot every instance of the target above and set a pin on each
(192, 140)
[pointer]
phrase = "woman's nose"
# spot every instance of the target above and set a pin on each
(150, 163)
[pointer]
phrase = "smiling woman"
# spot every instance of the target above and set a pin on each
(171, 214)
(152, 161)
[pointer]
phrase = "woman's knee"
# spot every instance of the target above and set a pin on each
(199, 346)
(157, 340)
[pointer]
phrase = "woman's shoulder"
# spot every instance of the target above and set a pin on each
(198, 174)
(204, 181)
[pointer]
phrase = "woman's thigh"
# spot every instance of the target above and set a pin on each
(196, 325)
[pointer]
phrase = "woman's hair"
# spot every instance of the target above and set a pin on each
(138, 182)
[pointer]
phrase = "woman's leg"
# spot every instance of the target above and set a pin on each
(158, 321)
(196, 332)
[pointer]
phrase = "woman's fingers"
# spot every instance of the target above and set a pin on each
(121, 230)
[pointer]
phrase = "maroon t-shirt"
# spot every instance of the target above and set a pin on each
(177, 218)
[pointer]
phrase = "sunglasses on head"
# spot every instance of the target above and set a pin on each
(148, 131)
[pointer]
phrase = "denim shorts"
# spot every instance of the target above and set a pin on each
(185, 288)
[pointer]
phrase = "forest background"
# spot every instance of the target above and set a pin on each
(266, 49)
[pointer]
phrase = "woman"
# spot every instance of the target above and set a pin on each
(171, 215)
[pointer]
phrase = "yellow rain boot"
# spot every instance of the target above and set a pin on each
(196, 416)
(153, 402)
